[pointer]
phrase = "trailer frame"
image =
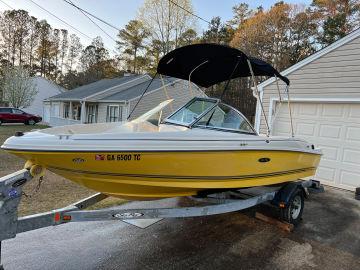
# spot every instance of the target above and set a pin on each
(11, 191)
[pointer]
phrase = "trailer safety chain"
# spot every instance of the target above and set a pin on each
(36, 189)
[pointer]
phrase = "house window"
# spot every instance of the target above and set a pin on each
(114, 113)
(66, 110)
(91, 114)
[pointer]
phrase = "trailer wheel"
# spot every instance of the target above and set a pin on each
(292, 212)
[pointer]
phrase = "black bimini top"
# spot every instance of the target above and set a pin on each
(209, 64)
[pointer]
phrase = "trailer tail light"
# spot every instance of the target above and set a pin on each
(57, 217)
(66, 218)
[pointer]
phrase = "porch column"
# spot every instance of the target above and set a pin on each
(71, 110)
(51, 108)
(83, 112)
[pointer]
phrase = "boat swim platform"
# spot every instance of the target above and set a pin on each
(210, 204)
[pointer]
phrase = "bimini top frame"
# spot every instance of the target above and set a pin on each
(209, 64)
(213, 63)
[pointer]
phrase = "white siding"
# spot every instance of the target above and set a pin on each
(333, 75)
(45, 89)
(102, 110)
(180, 92)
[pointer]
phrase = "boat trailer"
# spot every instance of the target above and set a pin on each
(287, 197)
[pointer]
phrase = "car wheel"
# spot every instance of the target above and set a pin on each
(0, 122)
(31, 122)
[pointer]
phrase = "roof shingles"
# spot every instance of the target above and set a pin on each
(85, 91)
(120, 89)
(138, 89)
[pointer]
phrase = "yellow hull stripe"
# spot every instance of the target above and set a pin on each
(183, 176)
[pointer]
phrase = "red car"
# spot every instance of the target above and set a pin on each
(13, 115)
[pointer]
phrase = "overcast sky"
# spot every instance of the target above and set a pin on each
(119, 12)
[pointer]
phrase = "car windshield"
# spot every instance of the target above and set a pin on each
(16, 111)
(224, 117)
(191, 111)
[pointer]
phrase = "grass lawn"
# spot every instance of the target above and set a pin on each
(55, 190)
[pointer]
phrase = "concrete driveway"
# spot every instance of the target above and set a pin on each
(328, 238)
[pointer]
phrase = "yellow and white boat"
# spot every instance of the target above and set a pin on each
(204, 145)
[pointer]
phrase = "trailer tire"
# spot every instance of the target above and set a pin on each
(292, 212)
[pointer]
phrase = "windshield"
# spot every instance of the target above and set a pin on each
(224, 117)
(190, 112)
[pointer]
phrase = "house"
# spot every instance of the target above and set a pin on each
(45, 89)
(325, 95)
(111, 100)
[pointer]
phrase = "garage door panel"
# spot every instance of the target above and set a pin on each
(330, 131)
(349, 178)
(325, 173)
(329, 152)
(305, 129)
(354, 112)
(306, 110)
(283, 127)
(353, 134)
(333, 110)
(332, 127)
(351, 156)
(351, 145)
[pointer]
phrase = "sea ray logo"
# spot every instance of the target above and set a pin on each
(99, 157)
(78, 160)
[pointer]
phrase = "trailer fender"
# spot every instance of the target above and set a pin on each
(284, 195)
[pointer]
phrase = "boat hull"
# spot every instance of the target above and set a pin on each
(161, 174)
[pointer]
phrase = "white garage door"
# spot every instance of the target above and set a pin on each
(333, 127)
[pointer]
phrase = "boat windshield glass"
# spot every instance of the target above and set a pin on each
(189, 113)
(224, 117)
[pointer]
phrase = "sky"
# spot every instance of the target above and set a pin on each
(119, 13)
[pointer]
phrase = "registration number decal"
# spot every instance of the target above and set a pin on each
(119, 157)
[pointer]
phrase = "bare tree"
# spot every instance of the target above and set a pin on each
(74, 51)
(7, 28)
(63, 47)
(55, 46)
(166, 21)
(18, 88)
(33, 41)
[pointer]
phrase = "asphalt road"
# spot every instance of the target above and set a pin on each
(328, 238)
